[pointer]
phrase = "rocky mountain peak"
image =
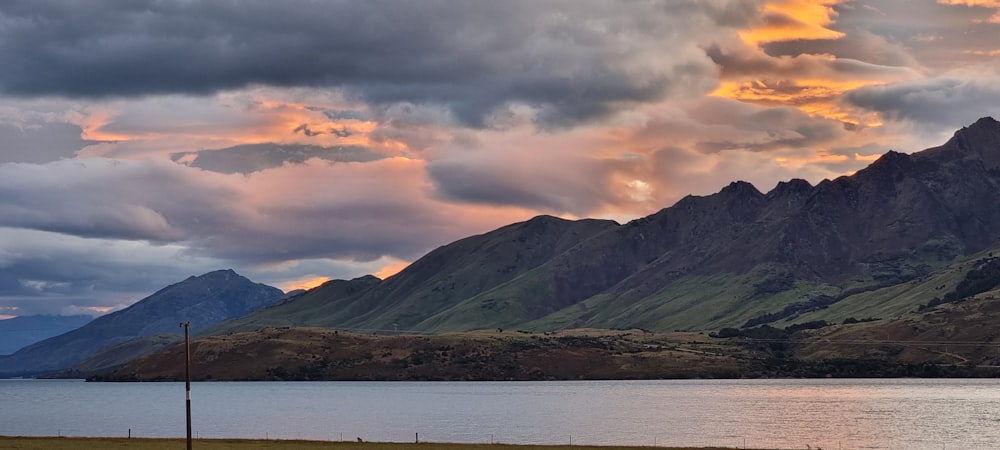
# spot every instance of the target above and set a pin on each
(890, 160)
(885, 172)
(985, 131)
(543, 220)
(979, 141)
(795, 187)
(741, 188)
(223, 274)
(984, 123)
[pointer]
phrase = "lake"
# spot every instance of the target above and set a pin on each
(828, 413)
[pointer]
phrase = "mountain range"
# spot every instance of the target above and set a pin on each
(739, 257)
(202, 300)
(909, 232)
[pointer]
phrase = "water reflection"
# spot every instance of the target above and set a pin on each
(831, 414)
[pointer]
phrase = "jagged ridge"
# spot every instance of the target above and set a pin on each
(706, 262)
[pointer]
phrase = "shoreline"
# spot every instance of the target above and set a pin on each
(74, 443)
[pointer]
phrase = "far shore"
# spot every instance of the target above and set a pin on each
(76, 443)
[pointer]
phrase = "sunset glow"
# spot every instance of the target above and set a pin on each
(306, 143)
(304, 284)
(391, 269)
(789, 20)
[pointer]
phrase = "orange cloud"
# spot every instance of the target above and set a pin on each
(285, 121)
(810, 82)
(304, 283)
(812, 96)
(799, 162)
(790, 20)
(990, 53)
(163, 125)
(92, 123)
(391, 269)
(866, 158)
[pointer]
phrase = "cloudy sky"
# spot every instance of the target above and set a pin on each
(142, 142)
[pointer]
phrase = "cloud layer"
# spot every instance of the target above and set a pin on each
(570, 60)
(147, 141)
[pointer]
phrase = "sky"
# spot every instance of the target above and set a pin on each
(146, 141)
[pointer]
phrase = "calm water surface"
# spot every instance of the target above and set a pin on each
(832, 414)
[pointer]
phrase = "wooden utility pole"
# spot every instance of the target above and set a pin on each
(187, 378)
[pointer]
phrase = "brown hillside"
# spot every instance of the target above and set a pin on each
(965, 333)
(325, 354)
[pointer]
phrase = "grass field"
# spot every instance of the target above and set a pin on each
(73, 443)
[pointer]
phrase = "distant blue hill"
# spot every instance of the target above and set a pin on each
(203, 300)
(23, 331)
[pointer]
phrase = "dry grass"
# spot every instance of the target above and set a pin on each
(74, 443)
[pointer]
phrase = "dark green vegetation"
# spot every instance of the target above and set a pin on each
(984, 277)
(878, 243)
(204, 300)
(47, 443)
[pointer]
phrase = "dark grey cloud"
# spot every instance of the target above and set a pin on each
(304, 129)
(477, 184)
(572, 60)
(342, 132)
(39, 142)
(938, 36)
(760, 129)
(803, 65)
(802, 136)
(49, 273)
(943, 103)
(554, 181)
(109, 199)
(338, 114)
(856, 44)
(302, 211)
(251, 158)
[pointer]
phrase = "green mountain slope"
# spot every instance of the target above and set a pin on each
(433, 284)
(853, 247)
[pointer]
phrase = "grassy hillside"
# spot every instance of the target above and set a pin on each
(898, 299)
(322, 306)
(433, 285)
